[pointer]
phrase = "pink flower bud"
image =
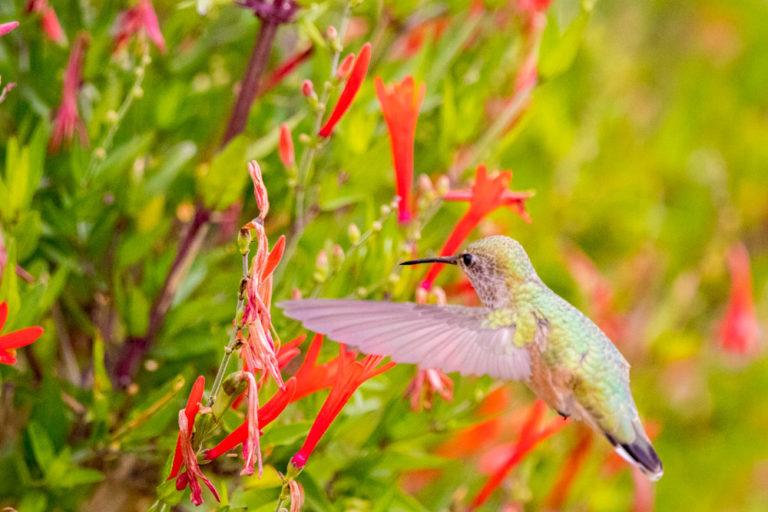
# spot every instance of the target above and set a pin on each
(345, 67)
(307, 89)
(285, 147)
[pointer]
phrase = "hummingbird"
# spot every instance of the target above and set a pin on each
(524, 331)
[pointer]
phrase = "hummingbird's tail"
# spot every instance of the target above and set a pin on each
(639, 453)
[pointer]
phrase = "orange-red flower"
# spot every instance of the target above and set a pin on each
(185, 456)
(48, 20)
(285, 146)
(487, 194)
(400, 104)
(739, 330)
(139, 19)
(530, 437)
(284, 69)
(266, 415)
(11, 341)
(351, 374)
(355, 80)
(67, 120)
(570, 470)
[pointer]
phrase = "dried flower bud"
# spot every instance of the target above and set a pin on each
(353, 232)
(376, 225)
(331, 33)
(443, 185)
(385, 210)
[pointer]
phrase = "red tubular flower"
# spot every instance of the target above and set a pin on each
(312, 377)
(739, 330)
(487, 194)
(285, 146)
(267, 414)
(289, 350)
(284, 69)
(8, 27)
(351, 374)
(570, 470)
(529, 438)
(349, 92)
(67, 120)
(140, 19)
(48, 20)
(400, 104)
(599, 292)
(185, 454)
(11, 341)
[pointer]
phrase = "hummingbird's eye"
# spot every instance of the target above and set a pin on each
(467, 259)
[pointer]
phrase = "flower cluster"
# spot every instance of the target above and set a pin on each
(263, 357)
(67, 121)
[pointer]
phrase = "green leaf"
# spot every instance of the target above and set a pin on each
(42, 447)
(222, 181)
(558, 49)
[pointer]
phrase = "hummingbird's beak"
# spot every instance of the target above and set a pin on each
(451, 260)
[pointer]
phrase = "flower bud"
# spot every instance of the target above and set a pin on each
(345, 67)
(353, 232)
(322, 267)
(443, 185)
(307, 88)
(337, 256)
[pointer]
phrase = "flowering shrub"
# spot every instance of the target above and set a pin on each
(173, 169)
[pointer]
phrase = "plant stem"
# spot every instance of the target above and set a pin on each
(233, 341)
(308, 157)
(133, 351)
(250, 84)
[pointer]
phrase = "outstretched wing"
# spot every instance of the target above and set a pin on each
(450, 338)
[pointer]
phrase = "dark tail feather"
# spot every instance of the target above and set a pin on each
(640, 453)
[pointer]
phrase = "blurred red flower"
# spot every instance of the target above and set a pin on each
(185, 456)
(67, 120)
(530, 437)
(352, 85)
(284, 69)
(9, 342)
(8, 27)
(285, 146)
(351, 374)
(486, 195)
(139, 19)
(49, 20)
(400, 104)
(739, 329)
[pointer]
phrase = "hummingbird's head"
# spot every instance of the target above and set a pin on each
(495, 266)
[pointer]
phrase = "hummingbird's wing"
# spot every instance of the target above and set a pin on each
(450, 338)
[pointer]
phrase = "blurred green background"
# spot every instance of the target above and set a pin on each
(646, 142)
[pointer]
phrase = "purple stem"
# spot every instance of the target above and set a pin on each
(135, 348)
